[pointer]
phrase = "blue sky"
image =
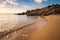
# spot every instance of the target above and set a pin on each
(15, 6)
(42, 4)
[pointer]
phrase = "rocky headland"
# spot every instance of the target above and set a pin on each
(49, 10)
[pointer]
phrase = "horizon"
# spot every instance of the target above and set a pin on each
(19, 6)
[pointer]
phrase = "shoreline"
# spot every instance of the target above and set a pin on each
(18, 27)
(51, 31)
(33, 22)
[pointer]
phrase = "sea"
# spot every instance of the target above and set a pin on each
(11, 21)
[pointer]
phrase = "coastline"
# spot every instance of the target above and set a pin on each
(51, 31)
(31, 25)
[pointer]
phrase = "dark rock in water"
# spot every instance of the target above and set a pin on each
(20, 13)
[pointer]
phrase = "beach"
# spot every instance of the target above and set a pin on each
(50, 30)
(23, 32)
(29, 19)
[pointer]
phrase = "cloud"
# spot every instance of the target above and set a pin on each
(8, 3)
(11, 6)
(16, 9)
(13, 2)
(40, 1)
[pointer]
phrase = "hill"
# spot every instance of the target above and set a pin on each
(50, 9)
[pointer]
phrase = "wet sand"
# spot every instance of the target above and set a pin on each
(37, 31)
(24, 33)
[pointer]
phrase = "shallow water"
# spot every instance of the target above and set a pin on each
(11, 21)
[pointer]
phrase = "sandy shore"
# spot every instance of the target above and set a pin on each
(23, 33)
(51, 30)
(37, 31)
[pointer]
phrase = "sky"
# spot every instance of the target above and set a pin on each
(18, 6)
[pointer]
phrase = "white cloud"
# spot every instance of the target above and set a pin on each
(40, 1)
(14, 9)
(8, 3)
(6, 9)
(11, 6)
(13, 2)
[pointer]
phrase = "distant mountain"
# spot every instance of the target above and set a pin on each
(49, 10)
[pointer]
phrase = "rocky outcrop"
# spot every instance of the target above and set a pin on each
(51, 9)
(20, 13)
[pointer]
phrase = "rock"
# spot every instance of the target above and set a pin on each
(49, 10)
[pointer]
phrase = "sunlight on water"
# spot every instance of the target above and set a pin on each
(11, 21)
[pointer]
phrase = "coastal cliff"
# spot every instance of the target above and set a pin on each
(49, 10)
